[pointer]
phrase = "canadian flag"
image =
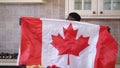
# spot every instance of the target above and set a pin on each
(66, 44)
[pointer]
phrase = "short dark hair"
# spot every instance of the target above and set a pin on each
(75, 15)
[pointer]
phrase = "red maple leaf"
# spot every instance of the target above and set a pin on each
(69, 44)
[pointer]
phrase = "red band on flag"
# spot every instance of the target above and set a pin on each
(106, 50)
(31, 41)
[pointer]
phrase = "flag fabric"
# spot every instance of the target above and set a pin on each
(66, 44)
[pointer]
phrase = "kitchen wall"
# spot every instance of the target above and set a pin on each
(10, 14)
(9, 20)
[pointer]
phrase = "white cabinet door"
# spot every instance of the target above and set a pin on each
(109, 7)
(83, 7)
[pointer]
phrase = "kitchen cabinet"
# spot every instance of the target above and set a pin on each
(94, 8)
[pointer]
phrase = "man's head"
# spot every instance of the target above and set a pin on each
(74, 16)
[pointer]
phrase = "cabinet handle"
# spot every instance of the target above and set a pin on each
(94, 12)
(101, 12)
